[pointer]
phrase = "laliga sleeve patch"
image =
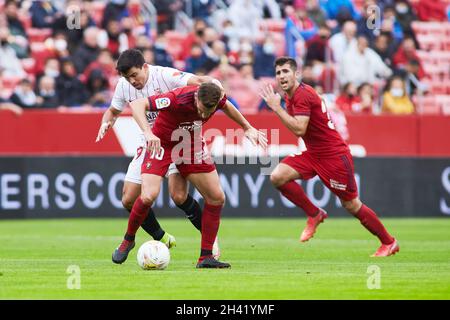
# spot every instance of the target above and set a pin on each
(162, 103)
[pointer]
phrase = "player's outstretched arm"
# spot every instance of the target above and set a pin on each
(254, 135)
(108, 120)
(297, 125)
(139, 108)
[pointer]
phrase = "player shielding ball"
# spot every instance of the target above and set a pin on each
(141, 80)
(327, 156)
(177, 137)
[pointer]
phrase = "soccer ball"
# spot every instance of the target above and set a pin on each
(153, 255)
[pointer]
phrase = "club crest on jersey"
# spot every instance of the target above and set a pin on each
(148, 165)
(162, 103)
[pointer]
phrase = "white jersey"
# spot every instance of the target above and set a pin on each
(160, 80)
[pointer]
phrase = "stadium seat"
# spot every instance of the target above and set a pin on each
(426, 104)
(38, 35)
(174, 43)
(272, 25)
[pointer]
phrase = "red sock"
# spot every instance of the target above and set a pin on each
(294, 192)
(210, 227)
(138, 214)
(372, 223)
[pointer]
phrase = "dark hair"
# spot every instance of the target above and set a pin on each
(283, 60)
(129, 59)
(209, 94)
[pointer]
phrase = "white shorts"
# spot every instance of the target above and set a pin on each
(134, 168)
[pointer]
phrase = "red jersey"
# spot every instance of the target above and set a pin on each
(321, 138)
(177, 110)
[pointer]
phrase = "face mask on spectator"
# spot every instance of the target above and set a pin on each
(246, 47)
(51, 73)
(46, 93)
(401, 8)
(269, 48)
(60, 44)
(397, 92)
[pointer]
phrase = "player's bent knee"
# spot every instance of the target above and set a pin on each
(277, 179)
(352, 206)
(148, 199)
(178, 197)
(216, 199)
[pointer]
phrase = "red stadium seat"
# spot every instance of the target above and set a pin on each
(38, 35)
(272, 25)
(427, 104)
(174, 43)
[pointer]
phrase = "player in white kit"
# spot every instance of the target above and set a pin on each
(141, 80)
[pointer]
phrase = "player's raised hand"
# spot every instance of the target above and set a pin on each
(256, 137)
(272, 98)
(103, 129)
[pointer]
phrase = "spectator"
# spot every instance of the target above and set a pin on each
(114, 10)
(6, 104)
(162, 57)
(431, 10)
(98, 89)
(269, 8)
(104, 62)
(16, 29)
(405, 16)
(384, 47)
(194, 37)
(74, 36)
(367, 99)
(9, 62)
(405, 53)
(341, 42)
(43, 14)
(244, 89)
(23, 95)
(348, 100)
(245, 16)
(368, 14)
(215, 56)
(318, 48)
(70, 90)
(395, 99)
(113, 39)
(315, 12)
(46, 93)
(264, 58)
(308, 74)
(303, 23)
(202, 9)
(167, 10)
(334, 7)
(389, 14)
(362, 64)
(51, 69)
(196, 60)
(88, 51)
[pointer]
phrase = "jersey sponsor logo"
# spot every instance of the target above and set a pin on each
(151, 116)
(162, 103)
(190, 126)
(336, 185)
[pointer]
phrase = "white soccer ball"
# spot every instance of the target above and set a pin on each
(153, 255)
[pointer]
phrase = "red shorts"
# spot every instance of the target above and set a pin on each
(159, 164)
(336, 173)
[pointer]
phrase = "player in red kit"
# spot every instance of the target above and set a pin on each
(327, 156)
(177, 137)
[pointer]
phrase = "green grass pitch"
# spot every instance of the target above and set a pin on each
(267, 261)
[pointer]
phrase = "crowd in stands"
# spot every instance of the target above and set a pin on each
(364, 56)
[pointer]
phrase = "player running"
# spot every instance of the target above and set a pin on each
(141, 80)
(176, 136)
(327, 156)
